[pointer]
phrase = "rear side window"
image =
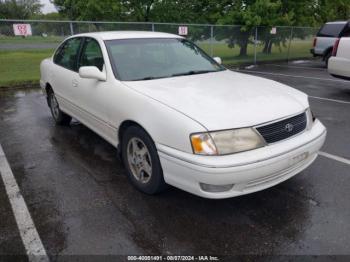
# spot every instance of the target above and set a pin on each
(346, 32)
(67, 54)
(331, 30)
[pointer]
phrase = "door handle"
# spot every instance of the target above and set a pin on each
(74, 83)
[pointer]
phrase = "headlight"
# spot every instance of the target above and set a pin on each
(203, 144)
(226, 142)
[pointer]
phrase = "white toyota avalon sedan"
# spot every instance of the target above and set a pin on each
(178, 117)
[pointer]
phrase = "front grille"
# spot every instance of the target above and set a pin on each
(283, 129)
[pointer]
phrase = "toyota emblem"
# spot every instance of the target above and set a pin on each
(289, 128)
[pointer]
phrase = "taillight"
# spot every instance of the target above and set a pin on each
(335, 47)
(315, 42)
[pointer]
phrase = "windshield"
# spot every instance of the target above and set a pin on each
(153, 58)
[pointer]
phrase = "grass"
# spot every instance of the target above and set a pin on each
(230, 56)
(30, 39)
(21, 67)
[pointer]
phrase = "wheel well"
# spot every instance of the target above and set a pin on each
(328, 51)
(48, 89)
(124, 126)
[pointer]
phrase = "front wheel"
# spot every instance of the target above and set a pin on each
(60, 117)
(141, 160)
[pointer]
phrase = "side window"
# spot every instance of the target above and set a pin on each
(91, 54)
(346, 32)
(67, 54)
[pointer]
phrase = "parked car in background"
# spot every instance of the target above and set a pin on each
(339, 63)
(178, 116)
(326, 38)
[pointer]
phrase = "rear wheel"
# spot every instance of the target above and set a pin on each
(60, 117)
(327, 57)
(141, 160)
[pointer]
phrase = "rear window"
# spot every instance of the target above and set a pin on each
(331, 30)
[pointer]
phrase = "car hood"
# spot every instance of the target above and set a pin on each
(226, 99)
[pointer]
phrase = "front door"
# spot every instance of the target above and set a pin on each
(93, 93)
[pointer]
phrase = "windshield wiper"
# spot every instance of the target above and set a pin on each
(194, 72)
(148, 78)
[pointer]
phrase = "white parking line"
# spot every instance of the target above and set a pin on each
(304, 77)
(336, 158)
(30, 237)
(299, 67)
(330, 100)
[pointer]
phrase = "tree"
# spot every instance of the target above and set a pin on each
(92, 10)
(331, 10)
(184, 11)
(265, 14)
(250, 14)
(19, 9)
(138, 10)
(49, 16)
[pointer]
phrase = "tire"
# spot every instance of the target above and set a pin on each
(60, 117)
(141, 161)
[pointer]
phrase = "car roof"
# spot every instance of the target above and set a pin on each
(114, 35)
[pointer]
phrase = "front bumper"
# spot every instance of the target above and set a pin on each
(247, 172)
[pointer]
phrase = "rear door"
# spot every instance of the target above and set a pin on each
(344, 47)
(65, 73)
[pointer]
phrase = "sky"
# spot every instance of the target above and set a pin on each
(47, 7)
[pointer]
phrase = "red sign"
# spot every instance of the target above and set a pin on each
(22, 29)
(183, 30)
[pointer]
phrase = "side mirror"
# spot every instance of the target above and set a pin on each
(218, 60)
(92, 72)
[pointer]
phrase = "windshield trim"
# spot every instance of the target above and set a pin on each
(115, 67)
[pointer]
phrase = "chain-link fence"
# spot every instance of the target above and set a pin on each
(232, 43)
